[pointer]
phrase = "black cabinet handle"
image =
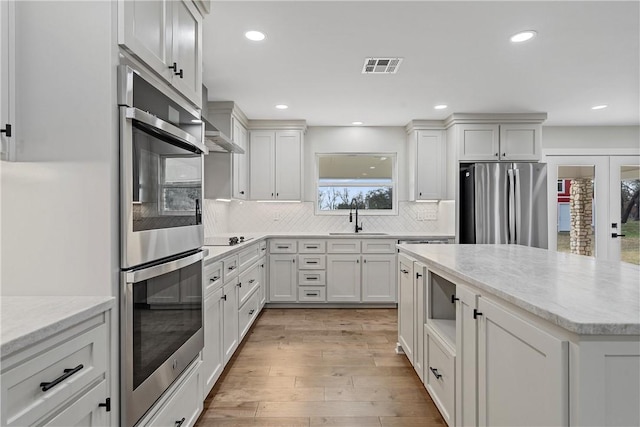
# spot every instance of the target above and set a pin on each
(251, 281)
(476, 313)
(106, 405)
(418, 275)
(293, 260)
(421, 194)
(174, 67)
(262, 265)
(179, 423)
(312, 262)
(214, 278)
(179, 73)
(271, 194)
(242, 192)
(435, 372)
(251, 311)
(277, 194)
(224, 297)
(239, 284)
(67, 373)
(496, 154)
(312, 247)
(614, 235)
(282, 247)
(6, 130)
(263, 249)
(404, 271)
(454, 299)
(504, 154)
(312, 278)
(312, 294)
(357, 261)
(233, 267)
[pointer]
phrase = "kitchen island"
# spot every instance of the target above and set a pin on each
(522, 335)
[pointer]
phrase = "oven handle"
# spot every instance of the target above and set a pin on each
(160, 269)
(164, 127)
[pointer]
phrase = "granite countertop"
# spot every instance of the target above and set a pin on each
(29, 319)
(578, 293)
(218, 252)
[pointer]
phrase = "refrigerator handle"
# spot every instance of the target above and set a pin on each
(511, 207)
(518, 211)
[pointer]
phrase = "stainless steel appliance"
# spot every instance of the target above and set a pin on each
(161, 330)
(503, 203)
(161, 168)
(161, 311)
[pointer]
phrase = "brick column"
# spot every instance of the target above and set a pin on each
(580, 208)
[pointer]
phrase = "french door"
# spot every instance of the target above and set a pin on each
(593, 202)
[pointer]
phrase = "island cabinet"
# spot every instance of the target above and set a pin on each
(167, 37)
(276, 164)
(406, 306)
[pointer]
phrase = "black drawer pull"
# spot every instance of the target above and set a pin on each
(179, 423)
(454, 299)
(312, 294)
(239, 284)
(435, 372)
(251, 281)
(67, 374)
(404, 271)
(251, 312)
(418, 275)
(214, 278)
(312, 262)
(476, 313)
(312, 247)
(6, 130)
(312, 278)
(282, 247)
(224, 297)
(233, 267)
(106, 405)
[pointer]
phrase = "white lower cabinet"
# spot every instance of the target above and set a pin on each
(263, 281)
(212, 353)
(282, 278)
(248, 313)
(378, 278)
(343, 278)
(439, 373)
(61, 380)
(184, 405)
(466, 347)
(230, 319)
(406, 310)
(523, 371)
(419, 307)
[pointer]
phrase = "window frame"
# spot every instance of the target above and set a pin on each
(366, 212)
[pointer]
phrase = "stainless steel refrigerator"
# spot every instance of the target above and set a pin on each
(503, 203)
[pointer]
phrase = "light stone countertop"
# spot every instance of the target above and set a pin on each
(29, 319)
(218, 252)
(578, 293)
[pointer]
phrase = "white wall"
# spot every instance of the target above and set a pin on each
(59, 223)
(590, 137)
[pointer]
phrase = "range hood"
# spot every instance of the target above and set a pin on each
(214, 139)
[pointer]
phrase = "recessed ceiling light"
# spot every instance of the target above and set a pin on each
(523, 36)
(255, 36)
(364, 174)
(356, 123)
(282, 106)
(599, 107)
(196, 121)
(372, 167)
(383, 158)
(440, 107)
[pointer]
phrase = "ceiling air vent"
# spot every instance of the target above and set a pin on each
(381, 65)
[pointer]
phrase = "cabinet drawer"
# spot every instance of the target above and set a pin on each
(249, 280)
(379, 246)
(344, 246)
(439, 374)
(230, 268)
(312, 246)
(212, 277)
(85, 358)
(311, 262)
(263, 247)
(312, 294)
(248, 256)
(248, 313)
(85, 411)
(283, 247)
(312, 278)
(184, 403)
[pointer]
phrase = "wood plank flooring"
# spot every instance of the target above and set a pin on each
(320, 367)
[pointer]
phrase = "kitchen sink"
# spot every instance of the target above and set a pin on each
(358, 234)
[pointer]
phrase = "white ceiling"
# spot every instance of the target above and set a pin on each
(455, 53)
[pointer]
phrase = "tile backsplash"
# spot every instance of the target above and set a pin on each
(239, 216)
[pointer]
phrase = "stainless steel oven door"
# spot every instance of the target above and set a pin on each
(161, 330)
(161, 189)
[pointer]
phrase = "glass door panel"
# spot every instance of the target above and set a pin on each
(624, 209)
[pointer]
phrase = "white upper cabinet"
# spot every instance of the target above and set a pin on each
(167, 37)
(240, 162)
(504, 142)
(276, 165)
(7, 80)
(427, 164)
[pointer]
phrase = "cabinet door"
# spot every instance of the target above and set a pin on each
(526, 385)
(379, 278)
(85, 410)
(212, 353)
(466, 357)
(406, 306)
(145, 31)
(230, 319)
(240, 161)
(187, 50)
(479, 142)
(430, 169)
(343, 278)
(263, 281)
(7, 78)
(262, 160)
(288, 166)
(282, 278)
(520, 142)
(419, 277)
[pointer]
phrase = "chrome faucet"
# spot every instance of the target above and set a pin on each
(354, 202)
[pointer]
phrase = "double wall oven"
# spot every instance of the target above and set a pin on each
(161, 169)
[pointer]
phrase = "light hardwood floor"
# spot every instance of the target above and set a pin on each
(320, 367)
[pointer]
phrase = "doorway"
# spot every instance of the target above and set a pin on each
(593, 202)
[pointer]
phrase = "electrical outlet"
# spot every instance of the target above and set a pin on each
(431, 215)
(276, 216)
(420, 216)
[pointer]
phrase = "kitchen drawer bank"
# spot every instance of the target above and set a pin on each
(56, 361)
(570, 325)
